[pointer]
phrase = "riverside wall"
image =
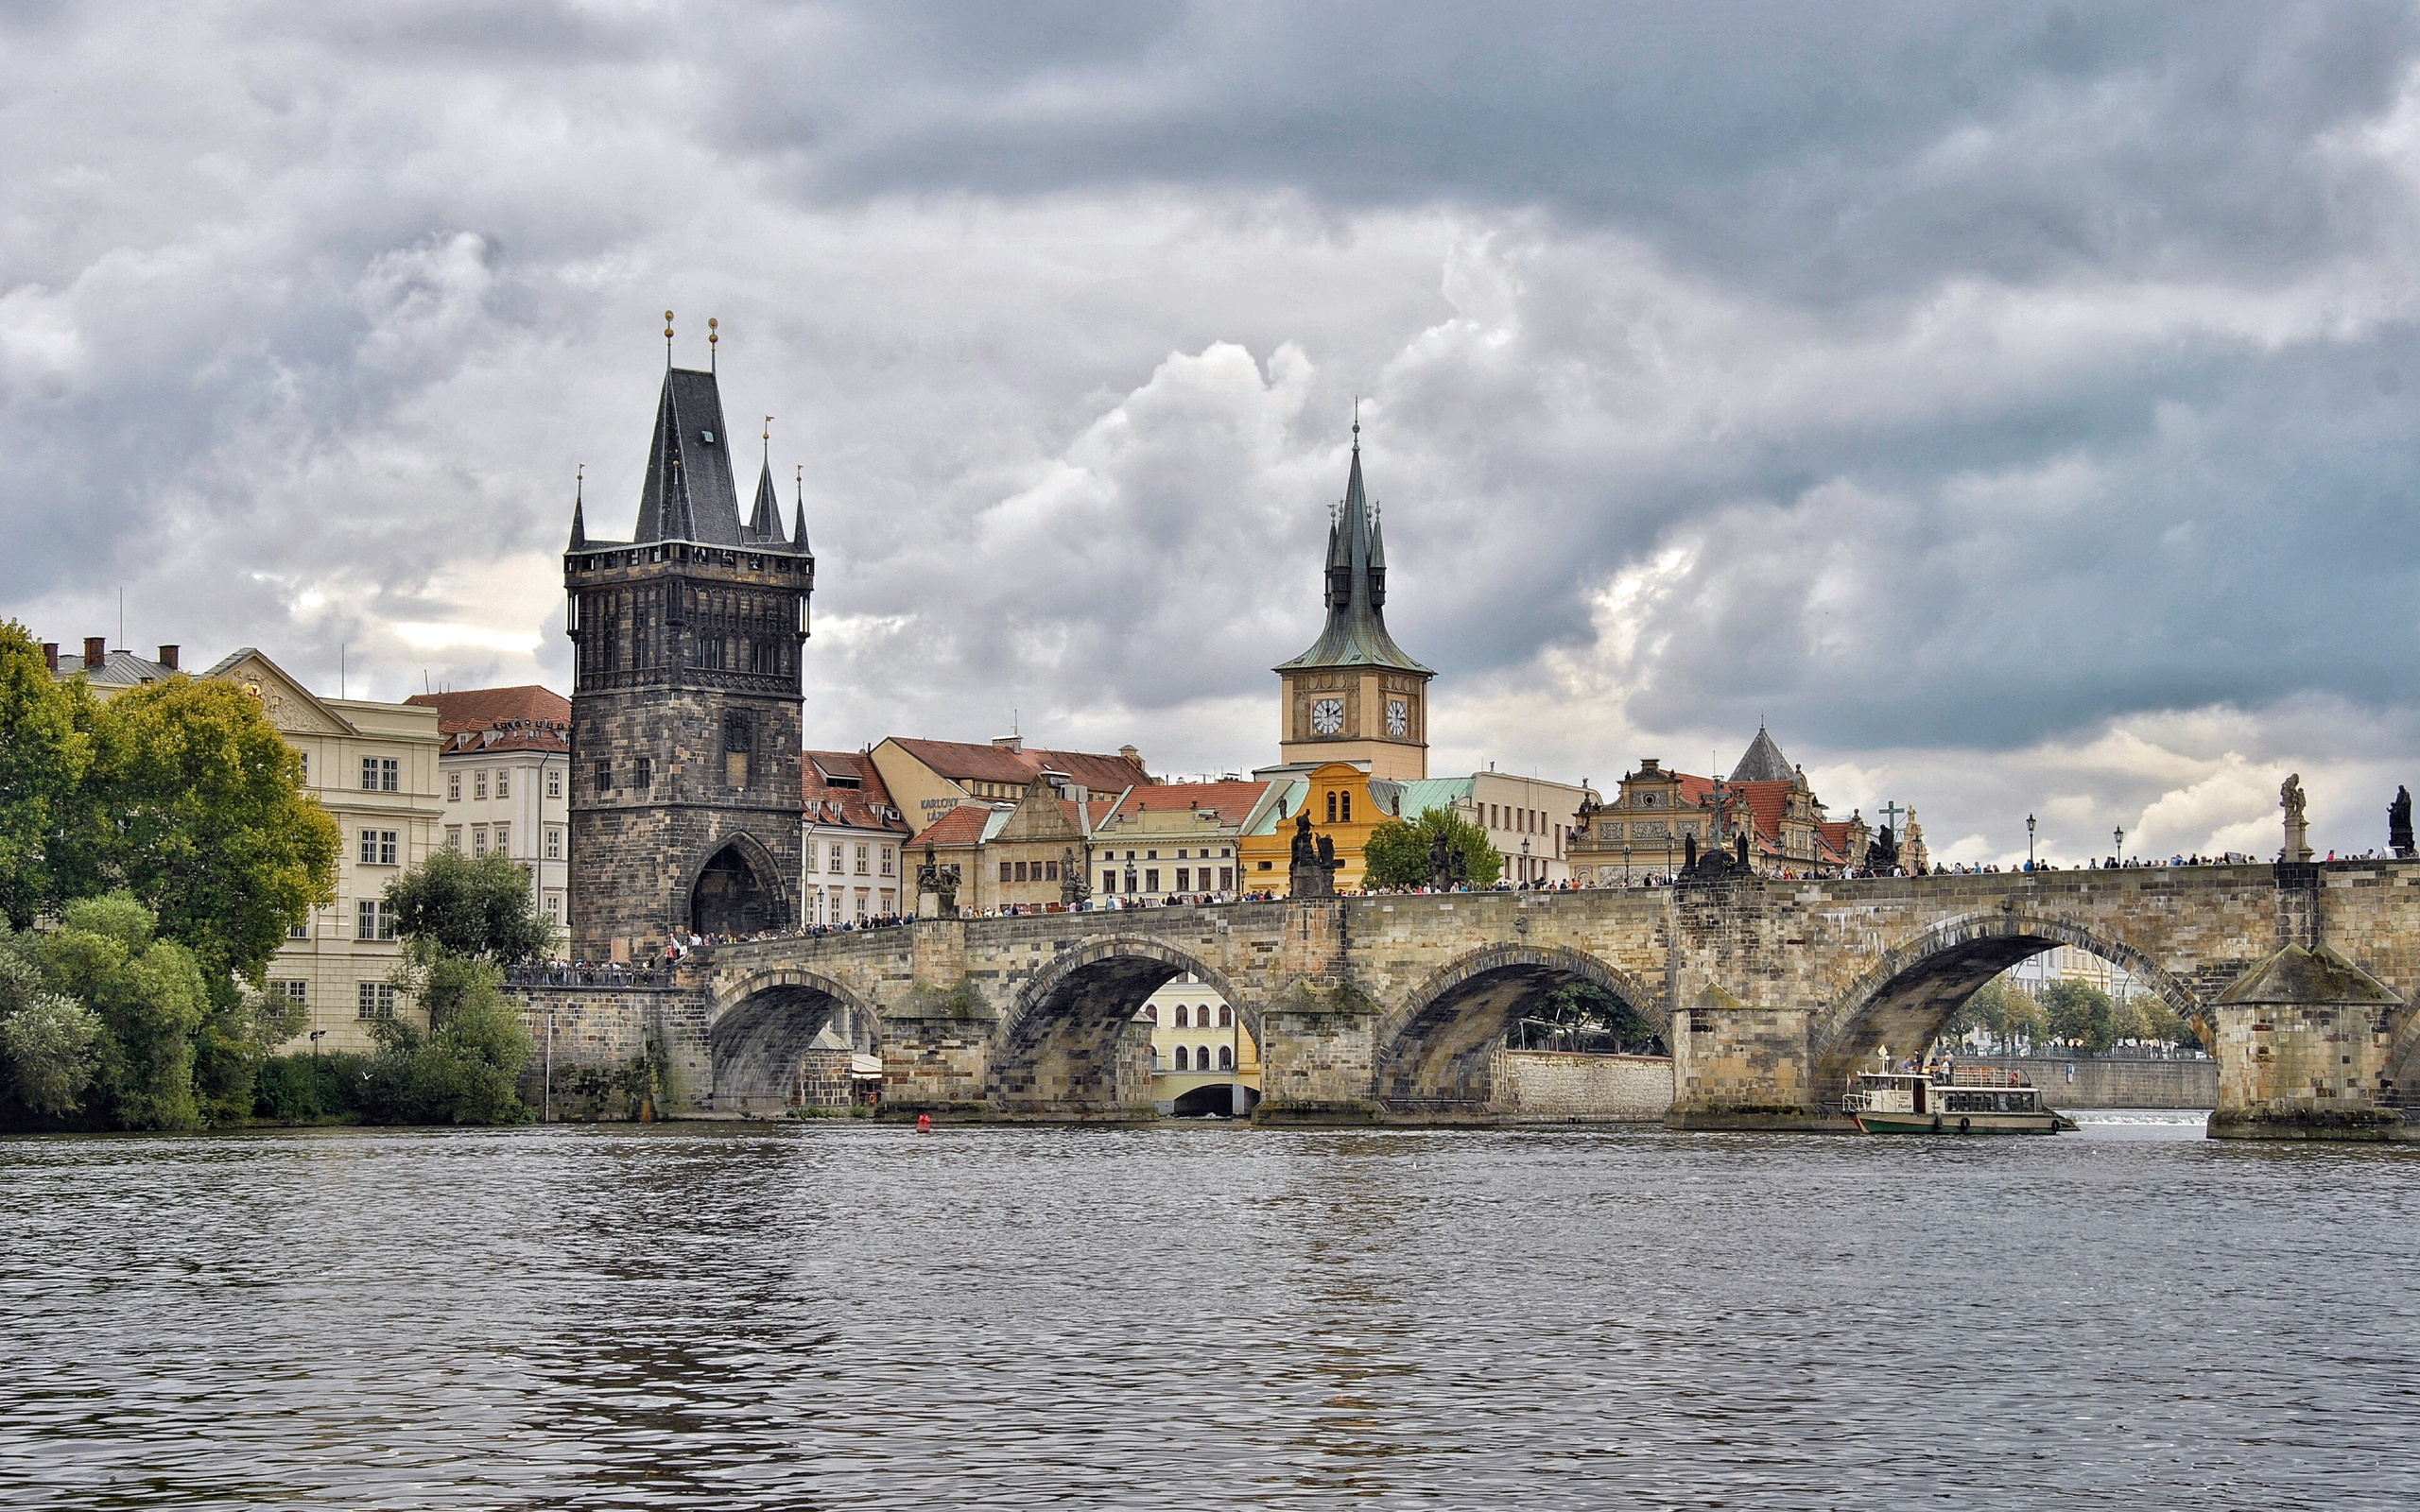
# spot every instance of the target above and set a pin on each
(1560, 1087)
(2086, 1081)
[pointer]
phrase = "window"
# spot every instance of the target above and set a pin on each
(554, 843)
(1331, 808)
(1202, 1057)
(642, 776)
(554, 782)
(1183, 1020)
(377, 921)
(504, 839)
(1109, 881)
(301, 930)
(479, 784)
(1226, 879)
(1226, 1016)
(835, 859)
(1152, 1012)
(1226, 1058)
(453, 838)
(554, 907)
(1184, 879)
(1150, 855)
(503, 784)
(377, 847)
(809, 864)
(861, 864)
(377, 999)
(886, 860)
(1182, 1064)
(1224, 852)
(1050, 871)
(306, 767)
(604, 778)
(1348, 808)
(1151, 880)
(291, 991)
(1012, 873)
(478, 839)
(453, 787)
(1180, 855)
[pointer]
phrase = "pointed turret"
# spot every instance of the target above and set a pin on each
(578, 522)
(690, 493)
(766, 523)
(1356, 635)
(798, 542)
(1764, 761)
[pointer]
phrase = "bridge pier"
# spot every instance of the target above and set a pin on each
(2303, 1039)
(1319, 1053)
(1740, 1067)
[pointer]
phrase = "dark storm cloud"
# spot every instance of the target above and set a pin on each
(2026, 384)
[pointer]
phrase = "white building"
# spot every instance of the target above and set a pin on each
(1203, 1061)
(507, 766)
(852, 856)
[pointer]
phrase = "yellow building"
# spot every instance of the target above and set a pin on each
(1344, 808)
(1354, 696)
(1203, 1061)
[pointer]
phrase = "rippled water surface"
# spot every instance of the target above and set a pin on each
(845, 1315)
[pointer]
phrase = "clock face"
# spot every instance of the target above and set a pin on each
(1327, 716)
(1398, 718)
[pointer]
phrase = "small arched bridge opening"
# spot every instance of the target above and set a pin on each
(1907, 998)
(783, 1038)
(1071, 1048)
(1439, 1053)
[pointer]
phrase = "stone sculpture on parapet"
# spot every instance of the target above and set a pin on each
(1312, 871)
(2398, 824)
(936, 888)
(1075, 881)
(2290, 798)
(1448, 868)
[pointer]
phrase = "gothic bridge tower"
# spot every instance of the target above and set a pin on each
(1354, 696)
(685, 803)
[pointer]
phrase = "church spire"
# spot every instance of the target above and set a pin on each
(578, 516)
(799, 544)
(1356, 587)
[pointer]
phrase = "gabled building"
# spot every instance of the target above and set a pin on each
(1354, 696)
(853, 843)
(110, 673)
(506, 766)
(1658, 817)
(685, 792)
(928, 778)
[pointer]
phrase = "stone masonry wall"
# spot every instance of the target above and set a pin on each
(2091, 1082)
(1555, 1087)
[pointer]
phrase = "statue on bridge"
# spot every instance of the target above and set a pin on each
(1075, 879)
(939, 883)
(2398, 823)
(1312, 871)
(1448, 867)
(2290, 798)
(1881, 854)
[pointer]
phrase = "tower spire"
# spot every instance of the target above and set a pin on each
(578, 516)
(799, 544)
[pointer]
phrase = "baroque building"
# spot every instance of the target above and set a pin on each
(686, 803)
(1354, 696)
(1659, 817)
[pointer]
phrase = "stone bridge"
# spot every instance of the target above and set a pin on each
(1394, 1008)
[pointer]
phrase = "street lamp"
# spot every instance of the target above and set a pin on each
(2029, 842)
(2119, 834)
(1524, 863)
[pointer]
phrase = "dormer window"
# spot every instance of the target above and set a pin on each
(707, 437)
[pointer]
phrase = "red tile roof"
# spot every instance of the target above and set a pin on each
(1231, 801)
(962, 762)
(962, 825)
(1767, 802)
(864, 806)
(523, 718)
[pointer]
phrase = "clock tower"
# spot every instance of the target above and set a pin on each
(1356, 696)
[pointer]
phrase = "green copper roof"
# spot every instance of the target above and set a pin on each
(1356, 635)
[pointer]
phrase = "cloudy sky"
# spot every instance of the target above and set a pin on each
(2012, 405)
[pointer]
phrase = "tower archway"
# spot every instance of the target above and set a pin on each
(738, 891)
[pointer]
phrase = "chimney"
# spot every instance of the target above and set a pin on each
(50, 654)
(95, 653)
(168, 656)
(1014, 743)
(1131, 754)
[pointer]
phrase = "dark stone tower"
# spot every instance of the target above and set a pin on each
(685, 804)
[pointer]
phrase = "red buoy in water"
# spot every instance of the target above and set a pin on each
(924, 1122)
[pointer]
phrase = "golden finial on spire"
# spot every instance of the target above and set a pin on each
(668, 338)
(769, 441)
(580, 483)
(710, 340)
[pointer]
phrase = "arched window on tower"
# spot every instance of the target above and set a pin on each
(1348, 808)
(1331, 808)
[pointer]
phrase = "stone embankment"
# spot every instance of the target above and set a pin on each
(2090, 1081)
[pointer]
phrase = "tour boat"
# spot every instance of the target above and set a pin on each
(1975, 1100)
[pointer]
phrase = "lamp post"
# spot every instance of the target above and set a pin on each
(314, 1068)
(2029, 842)
(2119, 834)
(1524, 863)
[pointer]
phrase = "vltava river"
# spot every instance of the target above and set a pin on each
(692, 1316)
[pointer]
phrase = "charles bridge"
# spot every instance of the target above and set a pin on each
(1393, 1008)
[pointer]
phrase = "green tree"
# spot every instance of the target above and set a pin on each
(477, 909)
(2000, 1008)
(149, 996)
(1397, 853)
(49, 1045)
(45, 751)
(2082, 1015)
(1583, 1015)
(466, 1067)
(207, 822)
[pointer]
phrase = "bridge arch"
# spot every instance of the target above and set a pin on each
(1067, 1046)
(1917, 987)
(1434, 1050)
(760, 1028)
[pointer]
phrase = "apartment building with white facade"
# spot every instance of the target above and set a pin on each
(507, 770)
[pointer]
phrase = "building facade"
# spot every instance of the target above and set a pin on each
(506, 770)
(1659, 817)
(374, 766)
(1203, 1061)
(686, 794)
(1354, 696)
(1176, 840)
(853, 843)
(928, 778)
